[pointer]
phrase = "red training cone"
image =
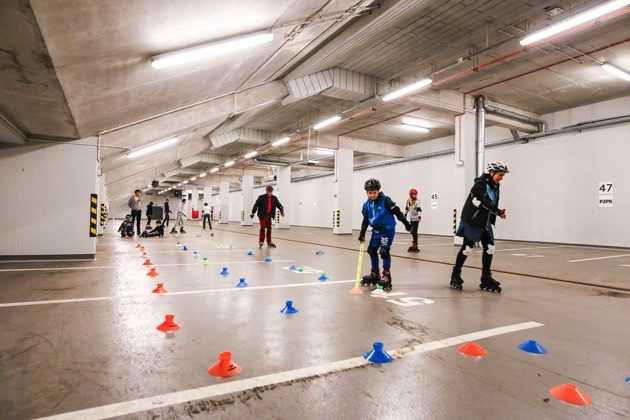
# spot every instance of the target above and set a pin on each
(147, 262)
(159, 289)
(571, 394)
(472, 349)
(169, 324)
(153, 273)
(225, 367)
(138, 246)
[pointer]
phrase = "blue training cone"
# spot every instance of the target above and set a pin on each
(185, 248)
(292, 268)
(250, 253)
(268, 259)
(378, 355)
(224, 272)
(627, 380)
(242, 283)
(289, 309)
(531, 346)
(323, 277)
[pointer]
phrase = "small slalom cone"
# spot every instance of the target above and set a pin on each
(292, 268)
(250, 253)
(153, 273)
(177, 244)
(378, 291)
(378, 355)
(224, 272)
(242, 283)
(356, 291)
(323, 277)
(169, 324)
(301, 269)
(472, 349)
(145, 255)
(268, 259)
(195, 255)
(225, 367)
(147, 262)
(185, 248)
(571, 394)
(627, 380)
(289, 309)
(532, 346)
(159, 289)
(205, 260)
(138, 245)
(319, 252)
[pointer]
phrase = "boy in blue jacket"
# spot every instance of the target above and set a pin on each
(379, 211)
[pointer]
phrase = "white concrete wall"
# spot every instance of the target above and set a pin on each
(45, 205)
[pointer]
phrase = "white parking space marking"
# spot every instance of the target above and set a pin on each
(212, 391)
(600, 258)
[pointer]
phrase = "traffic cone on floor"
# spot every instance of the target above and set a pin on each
(144, 254)
(242, 283)
(250, 253)
(169, 324)
(185, 248)
(205, 260)
(225, 367)
(138, 245)
(159, 289)
(153, 273)
(224, 272)
(268, 259)
(472, 349)
(323, 277)
(289, 309)
(147, 262)
(571, 394)
(531, 346)
(377, 355)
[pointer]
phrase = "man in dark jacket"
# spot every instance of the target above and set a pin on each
(478, 218)
(265, 206)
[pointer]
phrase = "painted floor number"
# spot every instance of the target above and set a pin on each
(405, 301)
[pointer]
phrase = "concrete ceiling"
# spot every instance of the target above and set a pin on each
(72, 69)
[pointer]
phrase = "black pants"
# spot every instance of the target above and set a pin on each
(149, 219)
(135, 219)
(414, 231)
(486, 259)
(166, 219)
(207, 217)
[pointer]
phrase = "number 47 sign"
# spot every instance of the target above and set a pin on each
(605, 188)
(605, 194)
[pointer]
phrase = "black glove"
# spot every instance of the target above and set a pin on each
(251, 215)
(408, 226)
(361, 238)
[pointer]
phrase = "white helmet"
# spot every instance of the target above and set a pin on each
(497, 167)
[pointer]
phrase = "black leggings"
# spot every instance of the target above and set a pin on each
(414, 231)
(207, 217)
(135, 218)
(486, 259)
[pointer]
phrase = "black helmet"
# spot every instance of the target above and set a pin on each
(372, 185)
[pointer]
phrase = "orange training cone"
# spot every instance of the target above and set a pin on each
(159, 289)
(472, 349)
(571, 394)
(147, 262)
(153, 273)
(145, 255)
(138, 246)
(225, 367)
(168, 324)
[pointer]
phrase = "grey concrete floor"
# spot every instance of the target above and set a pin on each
(76, 353)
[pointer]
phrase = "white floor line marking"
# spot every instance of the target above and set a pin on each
(212, 391)
(38, 261)
(190, 251)
(200, 263)
(600, 258)
(624, 265)
(149, 295)
(533, 247)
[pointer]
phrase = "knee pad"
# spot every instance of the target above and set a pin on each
(385, 254)
(490, 249)
(467, 250)
(372, 252)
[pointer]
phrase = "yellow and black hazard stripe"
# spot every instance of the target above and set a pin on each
(93, 209)
(104, 214)
(454, 221)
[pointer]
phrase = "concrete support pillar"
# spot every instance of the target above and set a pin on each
(342, 210)
(283, 192)
(102, 204)
(194, 202)
(224, 200)
(247, 195)
(465, 161)
(207, 195)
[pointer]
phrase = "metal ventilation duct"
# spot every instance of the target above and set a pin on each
(336, 82)
(244, 135)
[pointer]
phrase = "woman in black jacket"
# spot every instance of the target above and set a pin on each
(478, 218)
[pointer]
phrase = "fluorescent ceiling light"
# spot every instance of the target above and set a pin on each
(185, 182)
(194, 178)
(324, 150)
(617, 72)
(326, 123)
(415, 128)
(213, 170)
(201, 175)
(179, 185)
(283, 140)
(251, 154)
(188, 191)
(152, 147)
(575, 21)
(407, 89)
(228, 164)
(209, 50)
